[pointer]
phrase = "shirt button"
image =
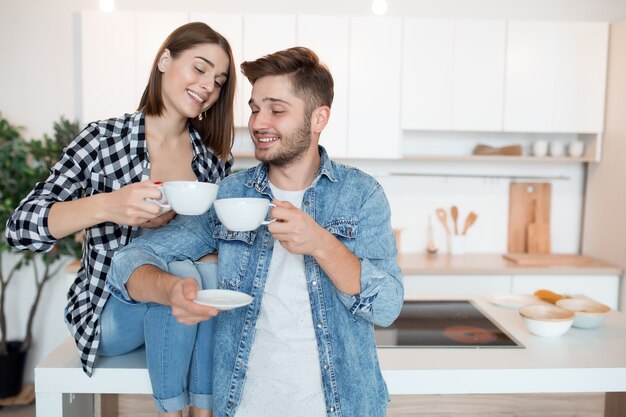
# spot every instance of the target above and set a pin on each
(319, 325)
(332, 409)
(326, 366)
(314, 283)
(306, 203)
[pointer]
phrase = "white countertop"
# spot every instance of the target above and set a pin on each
(582, 360)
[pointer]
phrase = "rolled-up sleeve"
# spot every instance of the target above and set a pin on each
(185, 237)
(27, 228)
(382, 292)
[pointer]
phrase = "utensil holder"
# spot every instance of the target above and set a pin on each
(456, 244)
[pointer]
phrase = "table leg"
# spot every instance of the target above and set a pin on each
(56, 404)
(615, 404)
(49, 404)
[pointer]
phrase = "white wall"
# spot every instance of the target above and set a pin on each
(40, 81)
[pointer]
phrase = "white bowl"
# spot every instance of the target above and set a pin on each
(588, 313)
(546, 320)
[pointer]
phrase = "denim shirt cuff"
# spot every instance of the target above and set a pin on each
(371, 280)
(122, 268)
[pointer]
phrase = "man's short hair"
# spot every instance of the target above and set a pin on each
(310, 80)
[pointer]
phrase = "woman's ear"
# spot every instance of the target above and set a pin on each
(319, 119)
(164, 60)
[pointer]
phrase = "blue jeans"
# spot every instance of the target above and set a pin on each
(179, 357)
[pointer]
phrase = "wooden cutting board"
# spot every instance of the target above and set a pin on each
(525, 259)
(529, 202)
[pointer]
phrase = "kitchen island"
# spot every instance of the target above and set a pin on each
(581, 361)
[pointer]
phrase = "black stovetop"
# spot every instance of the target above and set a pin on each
(456, 323)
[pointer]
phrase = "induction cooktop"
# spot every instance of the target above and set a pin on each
(443, 323)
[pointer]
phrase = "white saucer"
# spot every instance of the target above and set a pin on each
(223, 299)
(513, 300)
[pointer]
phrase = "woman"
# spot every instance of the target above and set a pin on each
(105, 183)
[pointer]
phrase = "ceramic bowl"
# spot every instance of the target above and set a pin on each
(588, 313)
(546, 320)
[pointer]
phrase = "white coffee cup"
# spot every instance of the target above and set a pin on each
(557, 149)
(190, 198)
(243, 214)
(540, 148)
(576, 149)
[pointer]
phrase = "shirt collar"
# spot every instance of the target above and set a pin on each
(260, 176)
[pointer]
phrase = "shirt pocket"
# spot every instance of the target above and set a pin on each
(235, 251)
(101, 183)
(344, 229)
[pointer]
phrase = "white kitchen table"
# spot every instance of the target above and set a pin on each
(579, 361)
(582, 360)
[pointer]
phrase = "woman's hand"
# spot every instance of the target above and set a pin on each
(128, 205)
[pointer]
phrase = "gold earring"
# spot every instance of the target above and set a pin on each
(200, 117)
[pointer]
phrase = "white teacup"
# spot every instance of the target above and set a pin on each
(540, 148)
(576, 149)
(243, 214)
(187, 197)
(557, 149)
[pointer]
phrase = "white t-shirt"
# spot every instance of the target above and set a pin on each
(283, 378)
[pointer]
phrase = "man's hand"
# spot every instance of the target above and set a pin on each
(296, 231)
(181, 295)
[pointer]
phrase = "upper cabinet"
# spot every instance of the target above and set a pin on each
(555, 77)
(453, 74)
(374, 91)
(332, 45)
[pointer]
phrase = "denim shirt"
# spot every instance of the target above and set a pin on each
(349, 204)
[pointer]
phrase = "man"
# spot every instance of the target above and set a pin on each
(305, 345)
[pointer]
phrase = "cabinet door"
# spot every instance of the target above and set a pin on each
(603, 288)
(108, 59)
(231, 27)
(427, 73)
(374, 91)
(530, 74)
(556, 76)
(151, 30)
(262, 35)
(442, 286)
(581, 56)
(329, 37)
(478, 75)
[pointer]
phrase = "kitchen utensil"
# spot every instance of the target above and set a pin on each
(454, 212)
(469, 221)
(537, 234)
(443, 218)
(524, 259)
(527, 202)
(430, 245)
(546, 320)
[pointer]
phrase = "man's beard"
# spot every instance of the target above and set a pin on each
(293, 147)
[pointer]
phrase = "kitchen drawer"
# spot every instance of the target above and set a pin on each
(455, 285)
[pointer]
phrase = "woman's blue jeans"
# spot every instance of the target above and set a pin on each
(179, 357)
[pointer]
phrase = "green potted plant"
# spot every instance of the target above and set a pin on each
(22, 164)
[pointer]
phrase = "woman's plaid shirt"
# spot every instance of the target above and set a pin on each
(105, 156)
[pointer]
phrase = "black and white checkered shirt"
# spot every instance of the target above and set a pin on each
(105, 156)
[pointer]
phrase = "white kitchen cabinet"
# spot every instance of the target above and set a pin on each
(555, 76)
(374, 91)
(602, 288)
(478, 75)
(108, 59)
(329, 37)
(441, 286)
(265, 34)
(151, 29)
(231, 27)
(453, 74)
(427, 74)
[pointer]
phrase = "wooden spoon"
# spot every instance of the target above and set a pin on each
(469, 221)
(443, 218)
(454, 211)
